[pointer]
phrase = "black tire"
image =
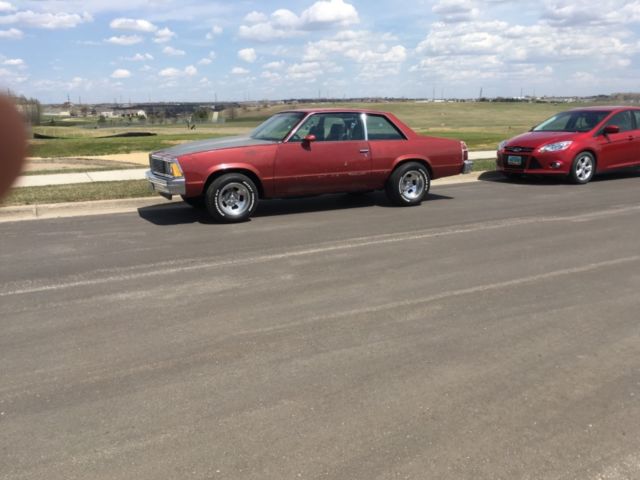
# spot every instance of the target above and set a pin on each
(583, 168)
(408, 184)
(231, 198)
(195, 202)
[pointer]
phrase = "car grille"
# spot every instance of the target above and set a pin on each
(160, 166)
(518, 149)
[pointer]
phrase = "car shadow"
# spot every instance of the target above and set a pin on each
(497, 177)
(181, 213)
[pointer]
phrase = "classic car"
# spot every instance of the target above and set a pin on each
(306, 152)
(577, 144)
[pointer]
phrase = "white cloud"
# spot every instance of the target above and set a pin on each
(6, 7)
(124, 40)
(138, 25)
(14, 62)
(255, 17)
(247, 55)
(331, 12)
(11, 34)
(164, 35)
(170, 72)
(215, 31)
(239, 71)
(453, 11)
(47, 20)
(121, 73)
(189, 71)
(140, 57)
(208, 59)
(173, 52)
(284, 23)
(274, 65)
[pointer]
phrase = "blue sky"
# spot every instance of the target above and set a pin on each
(189, 50)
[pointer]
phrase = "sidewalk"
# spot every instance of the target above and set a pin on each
(133, 174)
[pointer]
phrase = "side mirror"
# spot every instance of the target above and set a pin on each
(310, 138)
(609, 129)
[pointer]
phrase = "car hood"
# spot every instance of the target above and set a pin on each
(537, 139)
(213, 144)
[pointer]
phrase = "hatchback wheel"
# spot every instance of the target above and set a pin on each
(231, 198)
(408, 184)
(583, 168)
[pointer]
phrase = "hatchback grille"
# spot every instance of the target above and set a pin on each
(518, 149)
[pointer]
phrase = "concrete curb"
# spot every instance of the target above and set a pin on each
(78, 209)
(129, 205)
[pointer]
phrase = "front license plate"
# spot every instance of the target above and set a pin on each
(514, 160)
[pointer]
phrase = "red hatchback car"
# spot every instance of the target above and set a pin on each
(306, 152)
(578, 144)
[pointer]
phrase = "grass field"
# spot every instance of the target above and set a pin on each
(481, 125)
(78, 192)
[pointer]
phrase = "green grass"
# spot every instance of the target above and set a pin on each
(79, 192)
(484, 165)
(86, 146)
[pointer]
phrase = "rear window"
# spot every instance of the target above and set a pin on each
(380, 128)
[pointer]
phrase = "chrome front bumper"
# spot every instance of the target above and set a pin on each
(467, 166)
(166, 186)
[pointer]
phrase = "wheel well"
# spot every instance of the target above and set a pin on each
(248, 173)
(417, 160)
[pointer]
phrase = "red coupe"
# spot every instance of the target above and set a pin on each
(306, 152)
(577, 144)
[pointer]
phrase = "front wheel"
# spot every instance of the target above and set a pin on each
(231, 198)
(583, 168)
(408, 184)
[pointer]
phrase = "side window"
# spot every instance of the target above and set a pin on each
(380, 128)
(622, 120)
(331, 127)
(636, 114)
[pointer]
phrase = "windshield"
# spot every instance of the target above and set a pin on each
(576, 121)
(277, 127)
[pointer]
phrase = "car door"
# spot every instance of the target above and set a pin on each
(336, 159)
(618, 149)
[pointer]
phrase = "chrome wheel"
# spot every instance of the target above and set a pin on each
(412, 185)
(234, 199)
(584, 167)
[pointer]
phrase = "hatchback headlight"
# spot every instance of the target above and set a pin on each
(502, 144)
(556, 147)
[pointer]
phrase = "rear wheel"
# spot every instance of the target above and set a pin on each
(583, 168)
(408, 184)
(231, 198)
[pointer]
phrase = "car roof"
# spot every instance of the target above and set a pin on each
(604, 108)
(336, 110)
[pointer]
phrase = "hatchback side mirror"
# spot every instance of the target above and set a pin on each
(310, 138)
(609, 129)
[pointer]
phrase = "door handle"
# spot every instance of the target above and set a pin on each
(364, 150)
(630, 137)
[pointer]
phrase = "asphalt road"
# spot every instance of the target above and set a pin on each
(491, 333)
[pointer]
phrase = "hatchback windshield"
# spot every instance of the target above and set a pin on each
(576, 121)
(277, 127)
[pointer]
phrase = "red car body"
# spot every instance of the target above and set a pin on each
(323, 151)
(578, 143)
